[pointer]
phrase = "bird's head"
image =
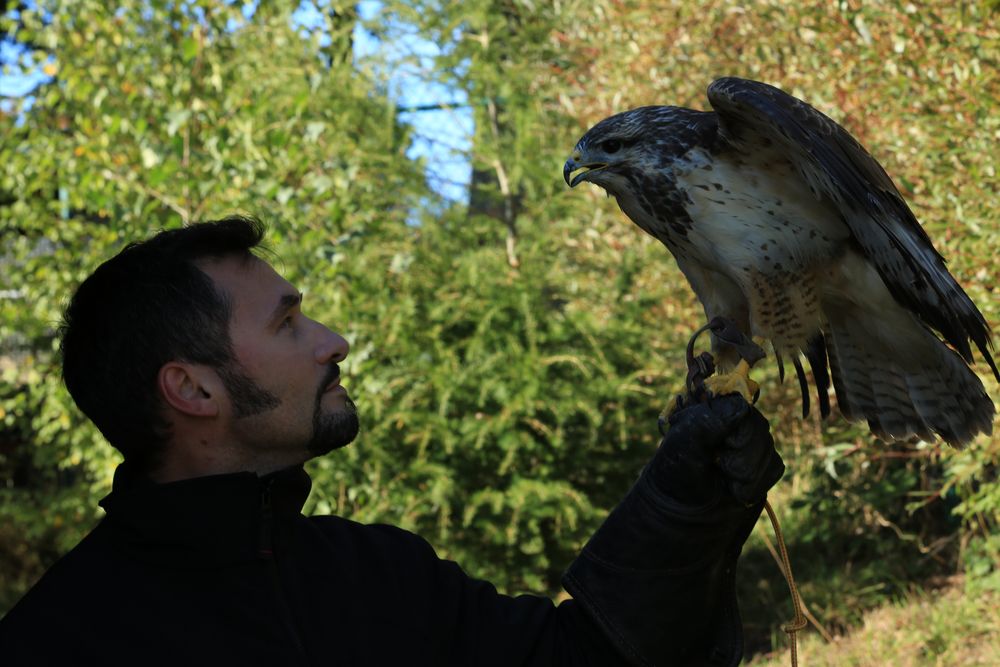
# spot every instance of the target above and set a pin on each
(619, 147)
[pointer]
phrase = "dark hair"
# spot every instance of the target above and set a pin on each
(146, 306)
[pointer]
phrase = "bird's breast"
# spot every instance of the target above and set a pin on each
(756, 215)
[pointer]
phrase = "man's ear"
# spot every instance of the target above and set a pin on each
(191, 389)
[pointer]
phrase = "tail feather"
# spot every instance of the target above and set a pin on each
(850, 411)
(899, 417)
(803, 385)
(933, 409)
(816, 354)
(851, 380)
(911, 384)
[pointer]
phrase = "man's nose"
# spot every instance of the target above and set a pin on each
(332, 347)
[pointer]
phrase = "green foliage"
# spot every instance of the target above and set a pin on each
(509, 357)
(501, 419)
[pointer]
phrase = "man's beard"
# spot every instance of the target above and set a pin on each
(333, 430)
(248, 397)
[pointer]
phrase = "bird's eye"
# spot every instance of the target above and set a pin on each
(611, 146)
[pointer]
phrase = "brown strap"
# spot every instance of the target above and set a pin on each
(799, 622)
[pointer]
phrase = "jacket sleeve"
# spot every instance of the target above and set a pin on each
(468, 622)
(658, 577)
(655, 585)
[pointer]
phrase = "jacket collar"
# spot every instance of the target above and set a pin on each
(202, 521)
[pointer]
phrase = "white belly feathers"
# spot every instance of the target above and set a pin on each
(771, 236)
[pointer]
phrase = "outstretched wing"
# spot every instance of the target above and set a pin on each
(754, 115)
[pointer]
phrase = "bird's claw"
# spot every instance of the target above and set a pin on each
(701, 385)
(736, 382)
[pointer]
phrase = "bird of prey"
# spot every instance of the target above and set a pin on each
(784, 224)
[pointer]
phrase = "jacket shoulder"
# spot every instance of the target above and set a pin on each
(369, 540)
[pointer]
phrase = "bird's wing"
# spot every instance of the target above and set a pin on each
(755, 116)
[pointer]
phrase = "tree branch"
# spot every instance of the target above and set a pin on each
(505, 191)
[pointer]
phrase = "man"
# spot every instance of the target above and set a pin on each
(195, 359)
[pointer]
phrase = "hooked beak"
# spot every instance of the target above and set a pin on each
(573, 164)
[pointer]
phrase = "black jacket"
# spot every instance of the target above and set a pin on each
(226, 570)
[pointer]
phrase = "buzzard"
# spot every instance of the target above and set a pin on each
(784, 224)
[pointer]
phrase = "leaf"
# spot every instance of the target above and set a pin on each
(176, 119)
(149, 157)
(313, 130)
(190, 48)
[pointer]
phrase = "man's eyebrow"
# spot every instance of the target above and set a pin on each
(286, 303)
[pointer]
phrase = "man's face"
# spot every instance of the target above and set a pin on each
(287, 404)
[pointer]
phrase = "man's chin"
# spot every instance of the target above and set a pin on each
(334, 430)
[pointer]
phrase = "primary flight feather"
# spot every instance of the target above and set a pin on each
(782, 222)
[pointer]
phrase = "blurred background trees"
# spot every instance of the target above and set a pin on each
(512, 345)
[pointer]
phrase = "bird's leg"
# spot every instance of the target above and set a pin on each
(736, 381)
(702, 384)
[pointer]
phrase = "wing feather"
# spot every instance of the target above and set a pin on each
(753, 114)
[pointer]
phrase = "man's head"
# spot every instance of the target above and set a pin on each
(191, 355)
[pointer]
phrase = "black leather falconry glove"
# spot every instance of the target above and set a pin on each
(659, 575)
(724, 435)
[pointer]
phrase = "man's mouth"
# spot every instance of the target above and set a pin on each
(333, 379)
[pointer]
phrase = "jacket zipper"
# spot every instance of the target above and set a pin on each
(265, 550)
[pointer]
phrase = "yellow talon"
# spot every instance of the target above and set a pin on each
(736, 382)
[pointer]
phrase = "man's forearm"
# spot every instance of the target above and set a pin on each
(659, 578)
(659, 575)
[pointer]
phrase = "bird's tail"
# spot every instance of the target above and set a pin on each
(890, 370)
